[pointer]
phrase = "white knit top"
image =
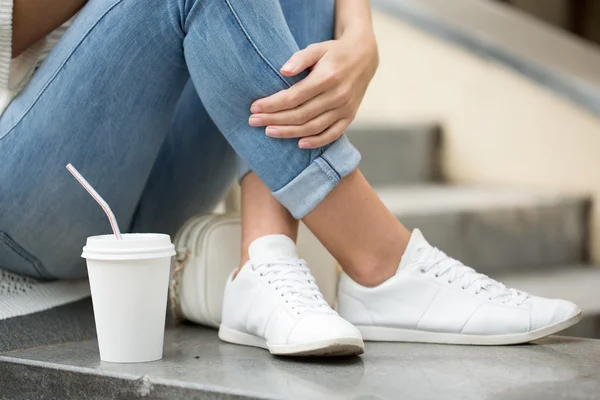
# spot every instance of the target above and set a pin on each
(15, 73)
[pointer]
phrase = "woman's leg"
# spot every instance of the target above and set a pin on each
(309, 22)
(104, 100)
(397, 285)
(194, 169)
(112, 123)
(363, 235)
(262, 215)
(359, 231)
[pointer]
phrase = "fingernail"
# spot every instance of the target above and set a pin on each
(254, 121)
(303, 145)
(290, 67)
(255, 109)
(272, 132)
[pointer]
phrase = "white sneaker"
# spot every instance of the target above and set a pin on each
(274, 303)
(436, 299)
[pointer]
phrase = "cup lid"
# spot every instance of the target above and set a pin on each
(132, 246)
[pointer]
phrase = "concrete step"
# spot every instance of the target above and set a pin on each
(71, 322)
(578, 284)
(196, 365)
(400, 154)
(496, 229)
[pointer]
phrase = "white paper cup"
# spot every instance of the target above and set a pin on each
(129, 281)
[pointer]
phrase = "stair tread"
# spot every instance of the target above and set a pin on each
(398, 153)
(197, 364)
(496, 228)
(444, 198)
(578, 284)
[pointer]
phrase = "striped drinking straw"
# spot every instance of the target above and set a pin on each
(98, 198)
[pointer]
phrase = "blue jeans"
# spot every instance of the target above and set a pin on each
(150, 100)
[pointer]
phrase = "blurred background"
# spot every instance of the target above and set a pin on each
(482, 127)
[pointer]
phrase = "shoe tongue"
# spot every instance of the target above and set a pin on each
(416, 245)
(273, 247)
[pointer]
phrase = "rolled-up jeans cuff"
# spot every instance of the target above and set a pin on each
(309, 188)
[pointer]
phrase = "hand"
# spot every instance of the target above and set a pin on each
(320, 107)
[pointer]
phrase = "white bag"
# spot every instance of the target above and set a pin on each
(209, 248)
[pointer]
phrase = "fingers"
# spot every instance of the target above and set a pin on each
(311, 86)
(330, 135)
(313, 127)
(303, 59)
(302, 114)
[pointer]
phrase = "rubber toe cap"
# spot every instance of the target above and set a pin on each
(546, 312)
(315, 327)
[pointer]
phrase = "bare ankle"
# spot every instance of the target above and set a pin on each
(371, 273)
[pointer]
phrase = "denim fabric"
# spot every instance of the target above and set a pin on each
(147, 98)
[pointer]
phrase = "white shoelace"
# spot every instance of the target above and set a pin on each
(468, 278)
(292, 279)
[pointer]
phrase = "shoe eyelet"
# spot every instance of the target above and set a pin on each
(437, 276)
(423, 271)
(463, 288)
(450, 282)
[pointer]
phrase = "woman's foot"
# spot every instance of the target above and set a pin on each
(436, 299)
(274, 303)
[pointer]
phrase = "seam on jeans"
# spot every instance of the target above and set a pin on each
(37, 264)
(260, 54)
(326, 168)
(331, 166)
(337, 174)
(60, 67)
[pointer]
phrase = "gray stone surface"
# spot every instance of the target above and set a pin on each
(400, 154)
(496, 229)
(67, 323)
(197, 365)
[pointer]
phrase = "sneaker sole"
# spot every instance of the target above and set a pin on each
(385, 334)
(322, 348)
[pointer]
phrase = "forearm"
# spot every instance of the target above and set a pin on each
(34, 19)
(353, 16)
